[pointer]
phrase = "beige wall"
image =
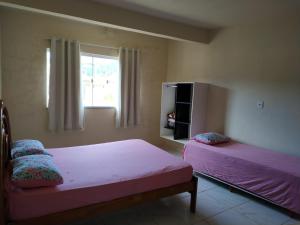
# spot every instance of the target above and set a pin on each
(115, 17)
(247, 64)
(24, 78)
(243, 64)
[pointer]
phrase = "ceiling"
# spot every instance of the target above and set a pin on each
(213, 13)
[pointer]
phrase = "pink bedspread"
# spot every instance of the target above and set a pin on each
(270, 174)
(99, 173)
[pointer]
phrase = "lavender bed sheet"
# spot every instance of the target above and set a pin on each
(272, 175)
(99, 173)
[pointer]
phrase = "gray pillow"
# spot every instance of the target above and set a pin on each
(35, 171)
(27, 147)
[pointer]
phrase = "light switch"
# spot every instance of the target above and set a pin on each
(260, 104)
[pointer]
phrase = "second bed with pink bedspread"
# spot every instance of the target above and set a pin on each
(272, 175)
(99, 173)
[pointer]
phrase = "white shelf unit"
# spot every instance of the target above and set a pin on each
(196, 111)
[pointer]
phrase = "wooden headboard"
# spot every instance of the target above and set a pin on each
(5, 155)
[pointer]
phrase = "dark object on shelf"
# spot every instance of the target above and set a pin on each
(171, 120)
(181, 131)
(183, 110)
(184, 92)
(172, 115)
(187, 103)
(183, 113)
(171, 123)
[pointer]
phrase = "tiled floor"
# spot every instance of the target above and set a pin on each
(216, 205)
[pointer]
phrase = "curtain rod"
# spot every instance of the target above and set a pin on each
(94, 45)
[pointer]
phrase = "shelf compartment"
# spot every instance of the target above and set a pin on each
(183, 113)
(184, 92)
(170, 128)
(187, 103)
(180, 122)
(181, 130)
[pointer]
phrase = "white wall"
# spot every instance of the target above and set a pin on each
(247, 64)
(24, 78)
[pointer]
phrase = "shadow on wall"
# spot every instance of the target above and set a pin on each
(217, 108)
(212, 34)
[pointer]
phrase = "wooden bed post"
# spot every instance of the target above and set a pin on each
(2, 166)
(5, 146)
(194, 194)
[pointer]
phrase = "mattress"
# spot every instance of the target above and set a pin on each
(99, 173)
(270, 174)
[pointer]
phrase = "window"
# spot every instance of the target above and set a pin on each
(99, 77)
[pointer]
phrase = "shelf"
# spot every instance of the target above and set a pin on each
(171, 138)
(186, 123)
(189, 102)
(184, 92)
(186, 103)
(170, 128)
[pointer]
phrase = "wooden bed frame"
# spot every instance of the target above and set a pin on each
(83, 212)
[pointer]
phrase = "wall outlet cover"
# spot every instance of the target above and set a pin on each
(260, 104)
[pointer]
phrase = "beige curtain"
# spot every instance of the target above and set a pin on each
(65, 95)
(128, 112)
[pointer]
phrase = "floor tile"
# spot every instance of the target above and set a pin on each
(184, 195)
(262, 214)
(224, 195)
(203, 222)
(173, 210)
(217, 200)
(216, 205)
(292, 222)
(120, 217)
(204, 184)
(230, 217)
(207, 206)
(140, 220)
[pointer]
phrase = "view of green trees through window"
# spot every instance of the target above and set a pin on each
(100, 77)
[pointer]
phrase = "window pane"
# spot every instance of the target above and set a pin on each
(86, 59)
(104, 94)
(105, 75)
(87, 70)
(100, 80)
(87, 93)
(86, 78)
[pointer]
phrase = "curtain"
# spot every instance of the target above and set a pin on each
(65, 91)
(128, 112)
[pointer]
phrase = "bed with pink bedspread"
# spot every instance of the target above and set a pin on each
(99, 173)
(269, 174)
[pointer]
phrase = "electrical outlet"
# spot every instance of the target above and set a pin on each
(260, 104)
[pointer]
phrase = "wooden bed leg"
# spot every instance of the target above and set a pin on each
(194, 195)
